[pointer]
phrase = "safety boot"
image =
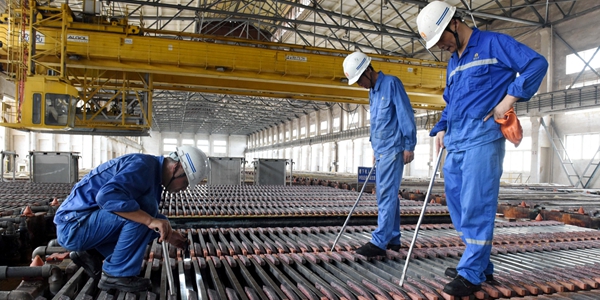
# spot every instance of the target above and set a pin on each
(92, 264)
(370, 250)
(126, 284)
(452, 273)
(393, 247)
(461, 287)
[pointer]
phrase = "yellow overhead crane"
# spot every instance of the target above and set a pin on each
(97, 77)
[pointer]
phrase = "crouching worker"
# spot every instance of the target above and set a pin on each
(112, 214)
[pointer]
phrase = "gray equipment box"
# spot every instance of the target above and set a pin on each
(269, 171)
(225, 170)
(56, 167)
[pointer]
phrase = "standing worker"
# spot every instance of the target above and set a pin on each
(393, 138)
(112, 214)
(481, 83)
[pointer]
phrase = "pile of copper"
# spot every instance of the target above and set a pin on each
(16, 195)
(273, 201)
(544, 259)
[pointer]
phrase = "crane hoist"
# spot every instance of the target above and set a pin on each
(96, 75)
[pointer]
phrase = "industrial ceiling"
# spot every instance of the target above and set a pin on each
(384, 27)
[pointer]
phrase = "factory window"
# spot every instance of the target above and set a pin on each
(203, 145)
(584, 83)
(582, 146)
(303, 132)
(56, 109)
(313, 129)
(169, 145)
(36, 117)
(517, 160)
(353, 122)
(575, 64)
(323, 125)
(220, 147)
(187, 142)
(294, 134)
(336, 124)
(422, 155)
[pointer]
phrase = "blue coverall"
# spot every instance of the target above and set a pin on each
(476, 82)
(393, 130)
(85, 220)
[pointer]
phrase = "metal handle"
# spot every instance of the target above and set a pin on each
(353, 207)
(167, 265)
(412, 243)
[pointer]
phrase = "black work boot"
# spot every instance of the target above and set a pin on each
(393, 247)
(370, 250)
(125, 284)
(452, 273)
(461, 287)
(92, 264)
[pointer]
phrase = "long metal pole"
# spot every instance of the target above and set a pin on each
(167, 265)
(412, 243)
(353, 207)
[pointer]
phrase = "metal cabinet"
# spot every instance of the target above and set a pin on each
(225, 170)
(57, 167)
(269, 171)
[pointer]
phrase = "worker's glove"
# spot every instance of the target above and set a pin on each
(511, 127)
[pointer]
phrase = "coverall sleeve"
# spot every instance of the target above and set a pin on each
(119, 194)
(441, 125)
(532, 66)
(405, 115)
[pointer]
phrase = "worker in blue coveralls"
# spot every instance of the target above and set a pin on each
(481, 83)
(393, 138)
(112, 214)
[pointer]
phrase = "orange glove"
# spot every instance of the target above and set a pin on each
(511, 127)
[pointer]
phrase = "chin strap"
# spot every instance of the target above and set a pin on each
(370, 77)
(455, 34)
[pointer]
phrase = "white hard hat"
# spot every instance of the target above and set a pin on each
(432, 21)
(354, 65)
(194, 163)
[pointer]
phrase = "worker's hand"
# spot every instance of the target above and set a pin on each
(408, 156)
(439, 141)
(502, 107)
(177, 239)
(374, 159)
(163, 227)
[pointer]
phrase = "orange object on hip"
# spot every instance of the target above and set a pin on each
(511, 127)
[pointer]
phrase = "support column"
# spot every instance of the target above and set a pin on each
(307, 126)
(547, 49)
(535, 169)
(334, 156)
(330, 120)
(361, 116)
(317, 123)
(545, 154)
